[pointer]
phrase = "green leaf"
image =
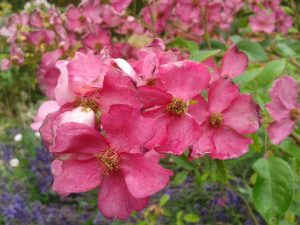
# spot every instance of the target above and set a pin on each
(183, 162)
(247, 77)
(254, 50)
(187, 44)
(202, 55)
(290, 147)
(270, 72)
(180, 177)
(274, 188)
(191, 218)
(164, 199)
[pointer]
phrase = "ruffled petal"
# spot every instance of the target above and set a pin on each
(75, 176)
(229, 144)
(234, 63)
(114, 199)
(242, 115)
(280, 130)
(143, 174)
(184, 79)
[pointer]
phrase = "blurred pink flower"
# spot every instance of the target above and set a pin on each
(284, 108)
(263, 21)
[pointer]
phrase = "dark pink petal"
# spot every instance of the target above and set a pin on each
(75, 176)
(114, 199)
(120, 5)
(199, 109)
(153, 96)
(286, 90)
(143, 174)
(126, 128)
(181, 133)
(220, 94)
(242, 115)
(184, 79)
(205, 144)
(78, 138)
(280, 130)
(234, 63)
(229, 144)
(117, 89)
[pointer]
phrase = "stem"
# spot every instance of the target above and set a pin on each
(253, 217)
(296, 138)
(206, 33)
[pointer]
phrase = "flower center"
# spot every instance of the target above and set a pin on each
(177, 106)
(82, 19)
(216, 119)
(90, 104)
(295, 114)
(109, 159)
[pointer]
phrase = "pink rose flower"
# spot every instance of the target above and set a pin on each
(225, 118)
(169, 102)
(126, 177)
(284, 108)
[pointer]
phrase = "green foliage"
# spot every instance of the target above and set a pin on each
(254, 50)
(274, 188)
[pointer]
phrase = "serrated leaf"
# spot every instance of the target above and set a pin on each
(270, 72)
(253, 50)
(164, 199)
(191, 218)
(274, 188)
(203, 55)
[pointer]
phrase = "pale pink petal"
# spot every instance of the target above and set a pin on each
(280, 130)
(126, 68)
(286, 90)
(220, 94)
(62, 92)
(184, 79)
(277, 110)
(181, 133)
(242, 115)
(78, 138)
(43, 111)
(126, 128)
(229, 144)
(114, 199)
(234, 63)
(143, 174)
(153, 96)
(198, 109)
(75, 176)
(80, 115)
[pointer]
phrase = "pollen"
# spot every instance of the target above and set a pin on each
(90, 104)
(295, 114)
(109, 159)
(177, 106)
(216, 119)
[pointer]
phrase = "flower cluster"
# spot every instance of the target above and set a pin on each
(41, 33)
(112, 120)
(269, 17)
